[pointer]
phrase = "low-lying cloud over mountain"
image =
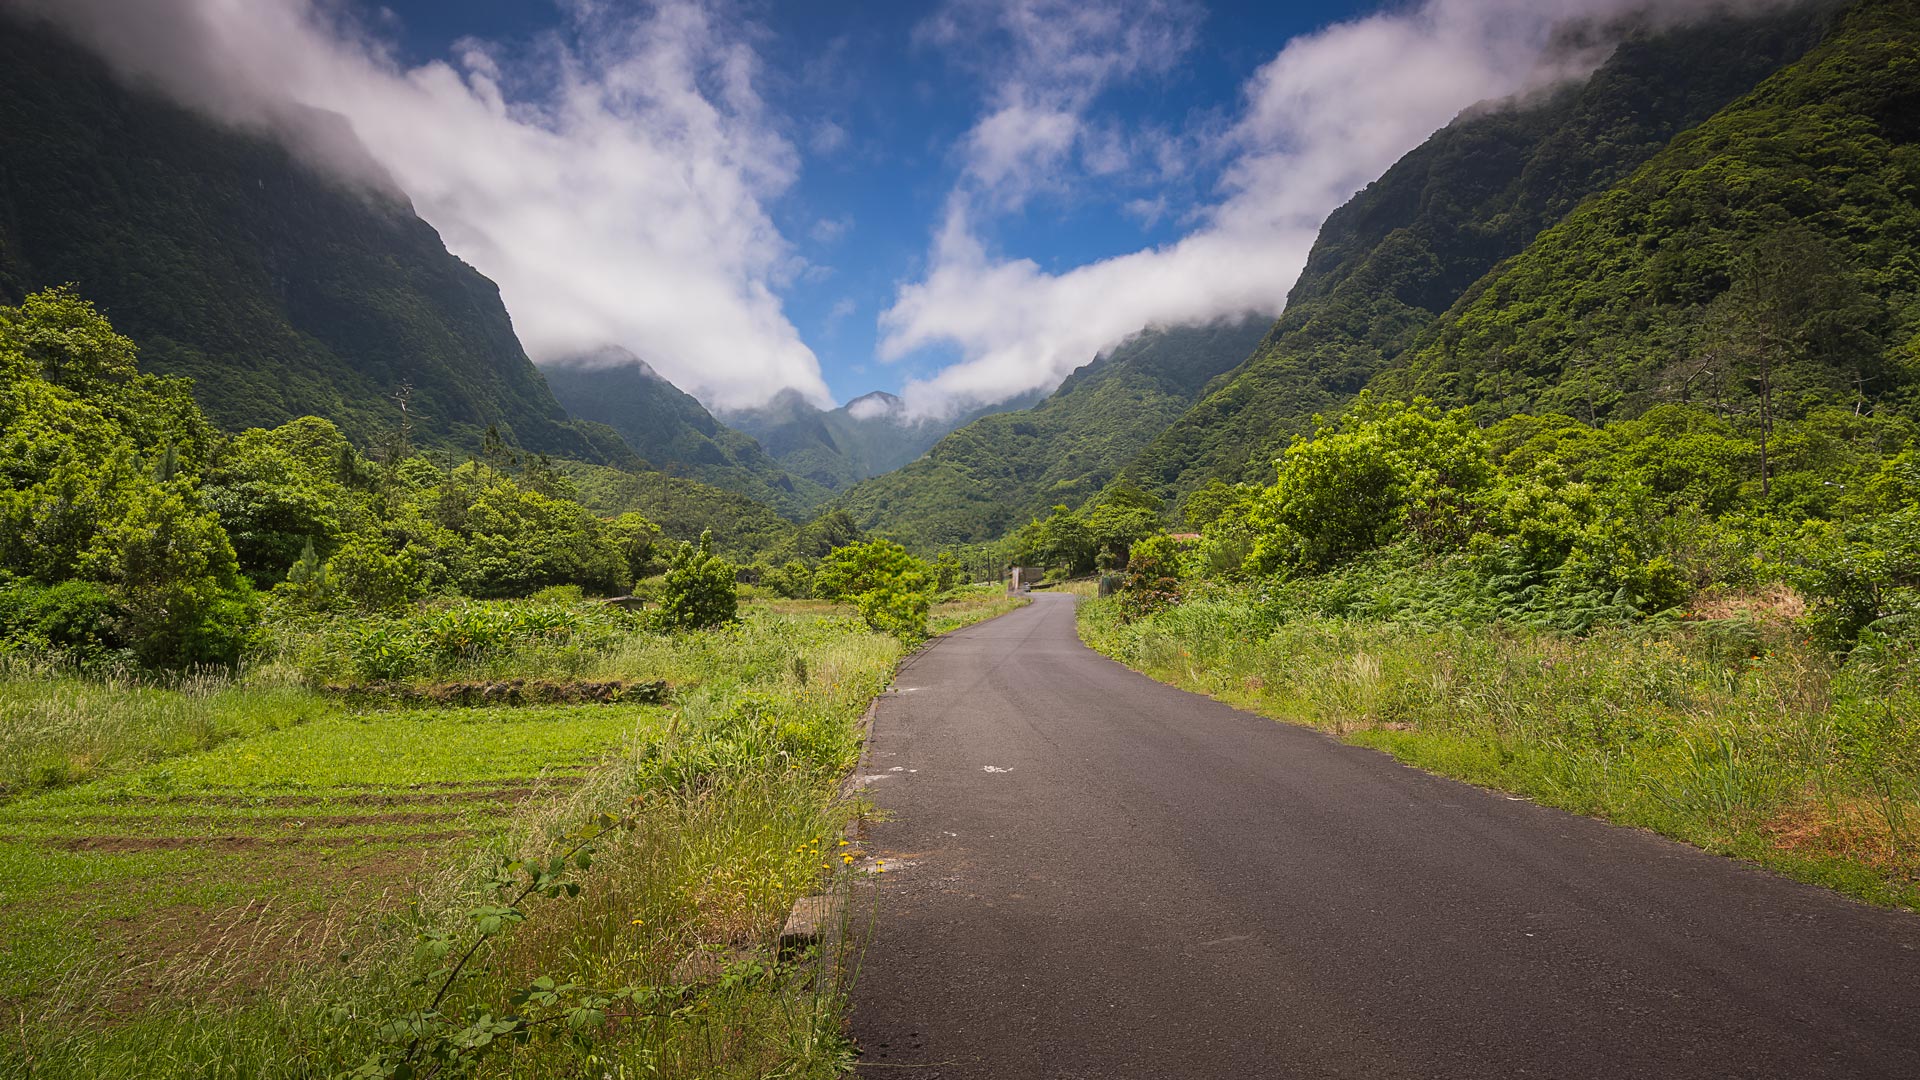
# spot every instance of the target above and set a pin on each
(611, 178)
(1319, 121)
(615, 175)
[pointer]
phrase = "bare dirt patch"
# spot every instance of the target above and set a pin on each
(130, 844)
(1773, 605)
(1853, 829)
(506, 692)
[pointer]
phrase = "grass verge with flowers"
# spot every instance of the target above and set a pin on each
(284, 892)
(1735, 733)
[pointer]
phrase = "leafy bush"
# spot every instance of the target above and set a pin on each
(1386, 468)
(76, 617)
(101, 468)
(1861, 578)
(372, 578)
(888, 585)
(1153, 577)
(699, 590)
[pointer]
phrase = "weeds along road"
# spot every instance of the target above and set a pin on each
(1090, 874)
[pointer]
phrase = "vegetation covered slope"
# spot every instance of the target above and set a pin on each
(993, 475)
(1386, 264)
(674, 432)
(282, 293)
(742, 528)
(1762, 264)
(838, 448)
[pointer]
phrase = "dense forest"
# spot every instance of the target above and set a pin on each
(1759, 266)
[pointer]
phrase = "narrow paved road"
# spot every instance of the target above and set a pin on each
(1091, 874)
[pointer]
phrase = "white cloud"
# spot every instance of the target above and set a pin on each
(831, 230)
(841, 310)
(612, 178)
(1329, 113)
(1148, 211)
(874, 406)
(828, 138)
(1047, 61)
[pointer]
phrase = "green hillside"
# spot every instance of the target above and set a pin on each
(282, 293)
(742, 528)
(1768, 252)
(999, 471)
(673, 431)
(838, 448)
(1404, 249)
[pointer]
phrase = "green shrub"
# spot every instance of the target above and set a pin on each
(900, 612)
(372, 578)
(888, 585)
(1153, 577)
(1385, 469)
(1861, 577)
(699, 590)
(76, 617)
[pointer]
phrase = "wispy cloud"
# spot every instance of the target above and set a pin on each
(1329, 113)
(840, 312)
(1045, 62)
(831, 230)
(612, 177)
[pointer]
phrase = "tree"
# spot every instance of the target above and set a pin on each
(1385, 468)
(271, 505)
(1791, 299)
(1114, 527)
(99, 471)
(885, 581)
(373, 578)
(700, 590)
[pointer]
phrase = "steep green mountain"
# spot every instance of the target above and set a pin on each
(999, 471)
(1479, 191)
(281, 292)
(1761, 264)
(742, 529)
(673, 431)
(867, 436)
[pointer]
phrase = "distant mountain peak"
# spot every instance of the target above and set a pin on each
(601, 359)
(873, 405)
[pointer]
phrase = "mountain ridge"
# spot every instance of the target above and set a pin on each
(991, 475)
(1396, 256)
(867, 436)
(282, 291)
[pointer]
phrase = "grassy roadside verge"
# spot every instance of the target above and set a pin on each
(1732, 735)
(970, 604)
(186, 895)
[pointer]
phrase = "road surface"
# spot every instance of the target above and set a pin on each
(1091, 874)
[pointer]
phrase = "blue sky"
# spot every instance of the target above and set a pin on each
(960, 201)
(864, 210)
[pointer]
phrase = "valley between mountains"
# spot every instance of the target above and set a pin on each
(1492, 651)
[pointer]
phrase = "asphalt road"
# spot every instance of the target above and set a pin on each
(1090, 874)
